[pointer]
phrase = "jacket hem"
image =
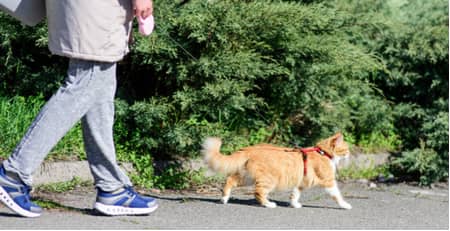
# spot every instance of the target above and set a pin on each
(90, 57)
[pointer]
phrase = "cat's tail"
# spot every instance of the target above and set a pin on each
(218, 162)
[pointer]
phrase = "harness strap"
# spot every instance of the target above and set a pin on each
(305, 152)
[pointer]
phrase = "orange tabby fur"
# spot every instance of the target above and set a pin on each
(271, 167)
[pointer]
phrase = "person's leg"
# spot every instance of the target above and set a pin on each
(115, 195)
(97, 125)
(58, 115)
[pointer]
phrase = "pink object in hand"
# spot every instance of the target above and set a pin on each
(146, 25)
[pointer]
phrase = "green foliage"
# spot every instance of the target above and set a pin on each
(64, 186)
(411, 38)
(435, 131)
(379, 141)
(279, 67)
(174, 178)
(143, 164)
(17, 113)
(371, 172)
(421, 163)
(26, 67)
(146, 127)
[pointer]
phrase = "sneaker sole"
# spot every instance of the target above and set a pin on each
(115, 210)
(9, 202)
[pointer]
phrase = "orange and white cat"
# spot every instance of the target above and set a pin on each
(270, 168)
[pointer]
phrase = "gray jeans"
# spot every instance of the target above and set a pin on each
(87, 94)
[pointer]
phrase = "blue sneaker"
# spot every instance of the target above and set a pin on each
(126, 202)
(16, 196)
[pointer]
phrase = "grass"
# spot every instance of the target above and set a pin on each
(17, 114)
(59, 187)
(47, 204)
(177, 178)
(354, 172)
(64, 186)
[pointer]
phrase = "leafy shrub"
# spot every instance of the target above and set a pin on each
(143, 164)
(281, 67)
(421, 163)
(411, 37)
(27, 67)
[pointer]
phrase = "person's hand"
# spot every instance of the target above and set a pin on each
(143, 8)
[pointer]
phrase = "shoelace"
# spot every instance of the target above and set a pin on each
(131, 192)
(25, 189)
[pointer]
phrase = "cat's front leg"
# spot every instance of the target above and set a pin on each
(336, 195)
(295, 196)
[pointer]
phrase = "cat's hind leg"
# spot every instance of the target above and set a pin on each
(232, 181)
(262, 191)
(295, 196)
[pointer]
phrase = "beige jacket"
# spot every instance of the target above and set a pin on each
(95, 30)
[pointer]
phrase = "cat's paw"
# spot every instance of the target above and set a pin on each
(270, 205)
(345, 205)
(296, 205)
(224, 199)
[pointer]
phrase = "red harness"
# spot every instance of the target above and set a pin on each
(305, 151)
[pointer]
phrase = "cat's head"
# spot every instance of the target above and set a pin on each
(335, 146)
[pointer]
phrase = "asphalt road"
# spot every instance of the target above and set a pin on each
(397, 206)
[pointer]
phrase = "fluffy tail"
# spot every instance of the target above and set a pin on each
(227, 165)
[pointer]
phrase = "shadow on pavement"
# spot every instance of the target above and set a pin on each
(250, 202)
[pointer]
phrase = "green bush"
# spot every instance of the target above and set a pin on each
(411, 38)
(283, 67)
(421, 163)
(27, 68)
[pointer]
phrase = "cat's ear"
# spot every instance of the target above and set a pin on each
(337, 139)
